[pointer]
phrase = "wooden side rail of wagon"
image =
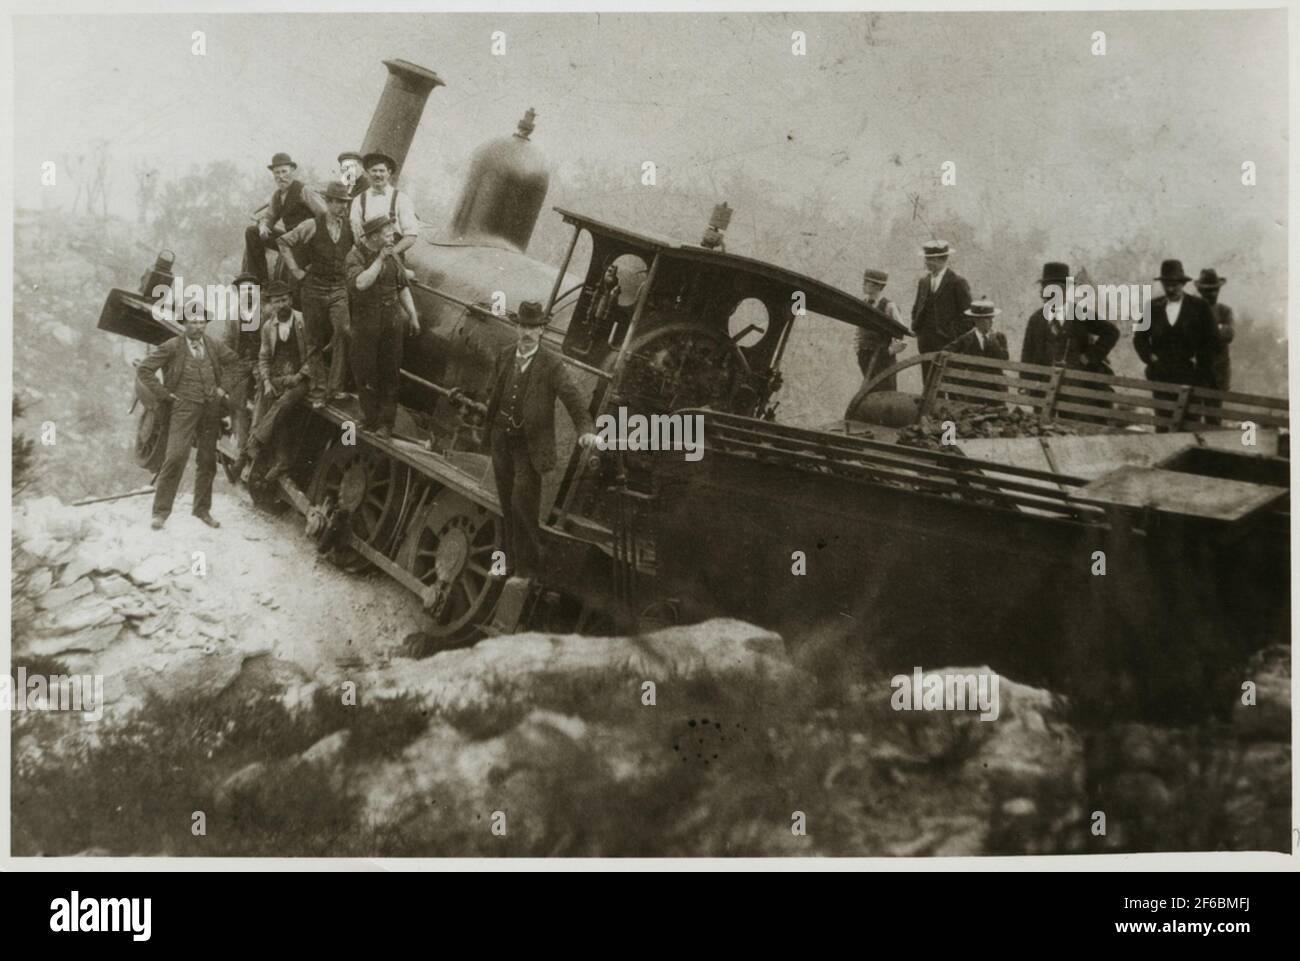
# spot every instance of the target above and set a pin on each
(863, 459)
(1056, 393)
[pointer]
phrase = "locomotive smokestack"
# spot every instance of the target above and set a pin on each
(392, 126)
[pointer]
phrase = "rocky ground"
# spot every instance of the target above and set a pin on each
(257, 703)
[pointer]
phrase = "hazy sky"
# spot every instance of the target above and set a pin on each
(1088, 147)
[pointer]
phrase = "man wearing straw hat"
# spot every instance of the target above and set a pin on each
(942, 296)
(876, 351)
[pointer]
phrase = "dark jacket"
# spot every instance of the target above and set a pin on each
(267, 353)
(939, 318)
(548, 380)
(1227, 327)
(1184, 353)
(169, 357)
(1073, 347)
(995, 345)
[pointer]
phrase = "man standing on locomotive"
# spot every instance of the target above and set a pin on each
(323, 244)
(192, 366)
(526, 381)
(378, 283)
(383, 199)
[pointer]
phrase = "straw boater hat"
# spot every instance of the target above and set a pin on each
(530, 314)
(875, 276)
(281, 160)
(1172, 270)
(982, 308)
(1210, 279)
(936, 248)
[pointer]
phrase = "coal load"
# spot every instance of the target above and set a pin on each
(972, 421)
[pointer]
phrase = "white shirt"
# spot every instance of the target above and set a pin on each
(524, 360)
(378, 204)
(196, 348)
(979, 335)
(283, 326)
(1172, 309)
(937, 279)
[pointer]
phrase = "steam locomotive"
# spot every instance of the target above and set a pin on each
(836, 531)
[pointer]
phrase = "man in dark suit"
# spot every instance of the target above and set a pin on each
(939, 311)
(1053, 338)
(194, 367)
(1181, 343)
(980, 341)
(525, 383)
(1207, 285)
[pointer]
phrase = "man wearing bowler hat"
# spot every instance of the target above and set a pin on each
(315, 252)
(1054, 339)
(1181, 341)
(942, 297)
(876, 351)
(526, 381)
(291, 204)
(382, 311)
(194, 367)
(381, 198)
(1208, 285)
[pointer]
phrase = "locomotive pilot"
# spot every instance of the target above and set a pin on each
(381, 296)
(526, 381)
(315, 252)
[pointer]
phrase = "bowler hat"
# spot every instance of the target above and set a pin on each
(375, 224)
(1172, 270)
(281, 160)
(350, 155)
(875, 276)
(1055, 272)
(245, 278)
(276, 288)
(376, 156)
(1210, 279)
(337, 190)
(982, 308)
(530, 314)
(936, 248)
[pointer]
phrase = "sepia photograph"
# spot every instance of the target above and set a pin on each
(700, 433)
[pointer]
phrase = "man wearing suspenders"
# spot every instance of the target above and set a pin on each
(381, 198)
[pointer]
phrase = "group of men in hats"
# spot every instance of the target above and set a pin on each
(342, 249)
(1185, 342)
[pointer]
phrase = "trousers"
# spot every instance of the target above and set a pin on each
(519, 489)
(325, 314)
(376, 350)
(194, 423)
